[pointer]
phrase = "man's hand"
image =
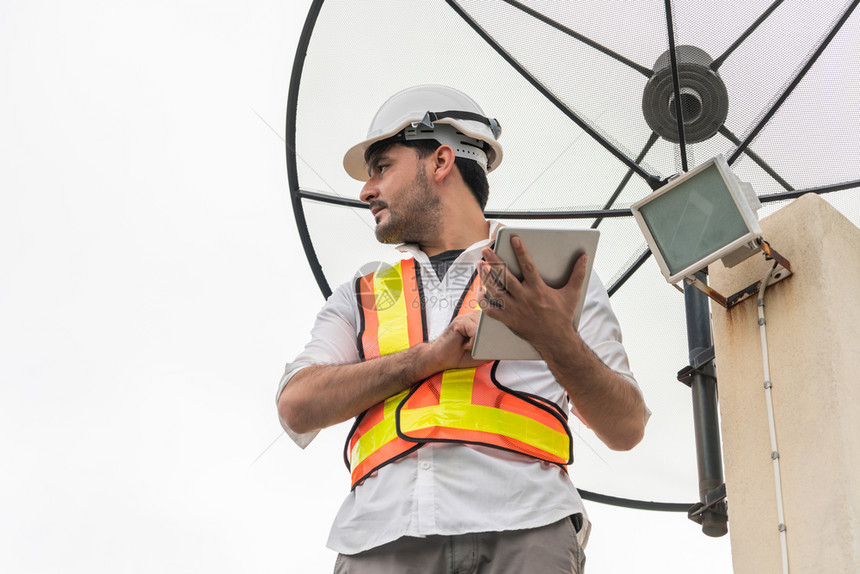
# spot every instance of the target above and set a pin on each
(530, 308)
(609, 404)
(453, 348)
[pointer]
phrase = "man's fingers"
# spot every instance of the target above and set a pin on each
(470, 323)
(577, 276)
(467, 325)
(493, 269)
(527, 266)
(494, 277)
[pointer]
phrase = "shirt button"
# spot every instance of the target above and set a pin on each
(425, 465)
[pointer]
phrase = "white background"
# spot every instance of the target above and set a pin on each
(152, 286)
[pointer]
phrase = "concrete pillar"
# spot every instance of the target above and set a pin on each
(813, 335)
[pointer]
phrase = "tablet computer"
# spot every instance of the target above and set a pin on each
(554, 252)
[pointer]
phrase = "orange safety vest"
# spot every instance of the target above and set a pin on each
(456, 405)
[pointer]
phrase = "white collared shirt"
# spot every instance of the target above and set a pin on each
(446, 488)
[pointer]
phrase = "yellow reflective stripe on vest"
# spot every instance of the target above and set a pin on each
(381, 433)
(456, 386)
(391, 310)
(455, 410)
(393, 337)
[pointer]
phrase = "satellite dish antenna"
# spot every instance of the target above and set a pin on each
(601, 105)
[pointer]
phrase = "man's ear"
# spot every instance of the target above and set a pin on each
(442, 162)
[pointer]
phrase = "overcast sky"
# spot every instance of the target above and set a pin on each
(152, 287)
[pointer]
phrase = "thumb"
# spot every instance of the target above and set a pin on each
(577, 276)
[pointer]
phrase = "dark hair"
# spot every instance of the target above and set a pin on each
(472, 173)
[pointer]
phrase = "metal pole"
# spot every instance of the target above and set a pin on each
(705, 414)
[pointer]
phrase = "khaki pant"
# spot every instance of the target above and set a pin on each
(549, 549)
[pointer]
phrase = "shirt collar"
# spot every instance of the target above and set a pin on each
(415, 251)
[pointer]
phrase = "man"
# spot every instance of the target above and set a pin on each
(464, 472)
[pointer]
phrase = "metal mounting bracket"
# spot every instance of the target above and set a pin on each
(704, 358)
(712, 502)
(781, 271)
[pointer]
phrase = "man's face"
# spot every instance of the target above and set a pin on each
(404, 205)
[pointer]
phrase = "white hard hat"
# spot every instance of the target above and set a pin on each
(431, 112)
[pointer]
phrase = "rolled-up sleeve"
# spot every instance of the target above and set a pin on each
(333, 342)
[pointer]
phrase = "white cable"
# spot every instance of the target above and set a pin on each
(770, 419)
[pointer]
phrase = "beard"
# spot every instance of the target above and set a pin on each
(416, 215)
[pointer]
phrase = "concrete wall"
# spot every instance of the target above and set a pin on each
(813, 332)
